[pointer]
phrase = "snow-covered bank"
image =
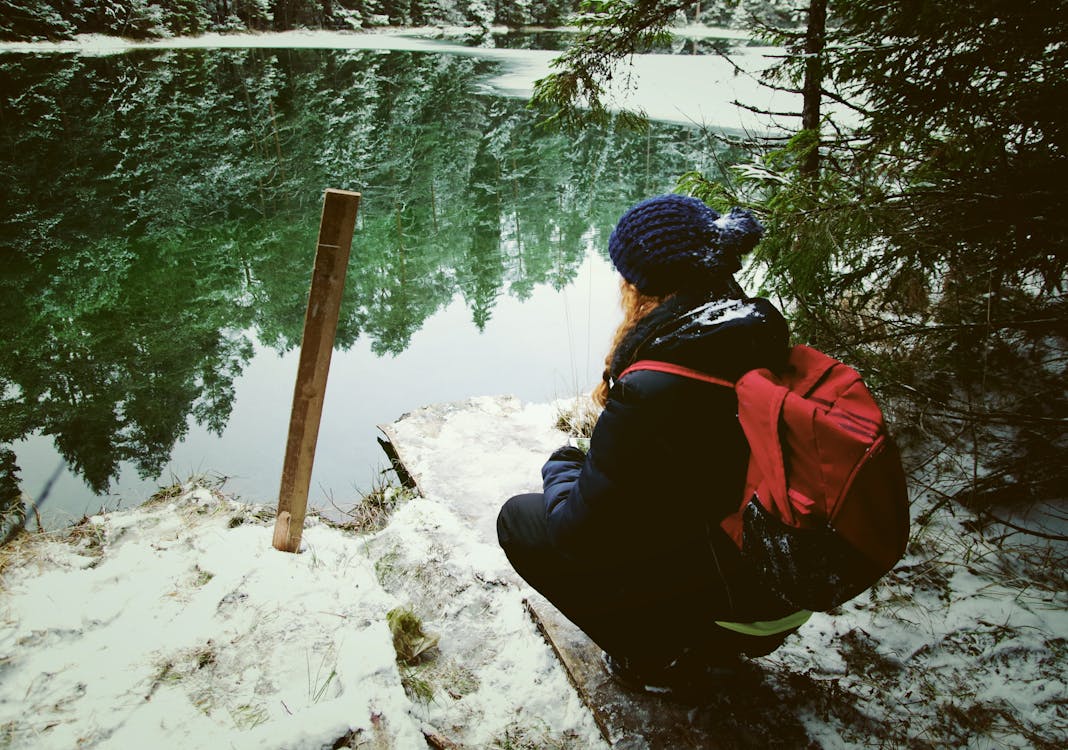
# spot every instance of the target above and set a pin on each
(177, 625)
(685, 89)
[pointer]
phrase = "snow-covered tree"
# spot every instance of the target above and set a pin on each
(33, 19)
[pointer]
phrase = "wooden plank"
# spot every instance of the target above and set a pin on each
(628, 720)
(745, 715)
(336, 228)
(392, 448)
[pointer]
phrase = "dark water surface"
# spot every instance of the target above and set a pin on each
(157, 228)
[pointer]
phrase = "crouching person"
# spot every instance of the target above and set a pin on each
(625, 540)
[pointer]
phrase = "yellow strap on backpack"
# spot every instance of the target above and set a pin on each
(768, 627)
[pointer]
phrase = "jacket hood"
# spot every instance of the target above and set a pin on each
(721, 335)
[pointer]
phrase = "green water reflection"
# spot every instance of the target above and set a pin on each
(159, 211)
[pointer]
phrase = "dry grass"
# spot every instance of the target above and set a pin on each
(578, 417)
(374, 509)
(19, 549)
(177, 488)
(84, 535)
(520, 737)
(88, 537)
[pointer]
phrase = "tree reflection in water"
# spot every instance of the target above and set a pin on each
(160, 209)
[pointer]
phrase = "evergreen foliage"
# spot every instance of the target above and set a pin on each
(12, 509)
(28, 20)
(577, 94)
(579, 91)
(32, 19)
(932, 244)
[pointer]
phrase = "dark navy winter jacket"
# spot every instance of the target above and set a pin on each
(667, 459)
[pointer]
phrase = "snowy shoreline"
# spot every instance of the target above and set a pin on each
(176, 624)
(372, 38)
(661, 86)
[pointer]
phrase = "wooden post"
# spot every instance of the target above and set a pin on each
(320, 324)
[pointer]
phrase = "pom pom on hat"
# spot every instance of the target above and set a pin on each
(674, 242)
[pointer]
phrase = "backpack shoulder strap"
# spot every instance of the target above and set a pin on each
(763, 397)
(808, 367)
(670, 367)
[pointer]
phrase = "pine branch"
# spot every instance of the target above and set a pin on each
(775, 34)
(1025, 530)
(845, 103)
(584, 72)
(739, 70)
(1014, 325)
(758, 111)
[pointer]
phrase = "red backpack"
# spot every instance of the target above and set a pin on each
(825, 511)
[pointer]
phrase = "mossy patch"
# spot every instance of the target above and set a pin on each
(410, 641)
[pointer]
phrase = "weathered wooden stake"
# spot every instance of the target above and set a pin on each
(320, 325)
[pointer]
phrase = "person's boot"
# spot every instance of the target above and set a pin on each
(683, 678)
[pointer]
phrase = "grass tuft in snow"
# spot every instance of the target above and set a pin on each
(87, 537)
(417, 685)
(165, 674)
(14, 551)
(578, 417)
(202, 577)
(323, 678)
(182, 666)
(455, 679)
(246, 717)
(374, 508)
(168, 494)
(386, 568)
(531, 737)
(351, 739)
(177, 489)
(205, 657)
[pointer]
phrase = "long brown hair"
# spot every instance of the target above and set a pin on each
(635, 307)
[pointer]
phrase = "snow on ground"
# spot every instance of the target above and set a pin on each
(685, 89)
(177, 625)
(478, 453)
(965, 644)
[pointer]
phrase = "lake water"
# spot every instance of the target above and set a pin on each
(157, 229)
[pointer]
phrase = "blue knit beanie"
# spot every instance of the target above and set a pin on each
(673, 242)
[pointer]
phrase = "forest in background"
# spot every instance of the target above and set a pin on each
(28, 20)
